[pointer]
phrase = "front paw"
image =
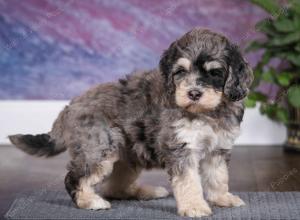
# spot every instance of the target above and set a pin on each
(228, 200)
(195, 209)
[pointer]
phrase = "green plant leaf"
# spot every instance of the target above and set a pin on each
(257, 96)
(297, 47)
(254, 46)
(296, 20)
(284, 78)
(282, 115)
(268, 109)
(293, 95)
(291, 57)
(295, 6)
(266, 26)
(268, 76)
(253, 97)
(249, 103)
(270, 6)
(257, 71)
(266, 57)
(284, 24)
(275, 112)
(286, 39)
(282, 40)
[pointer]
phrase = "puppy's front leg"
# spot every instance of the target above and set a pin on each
(214, 174)
(188, 194)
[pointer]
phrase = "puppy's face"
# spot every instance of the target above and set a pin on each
(202, 68)
(198, 83)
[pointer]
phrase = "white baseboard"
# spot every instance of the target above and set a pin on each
(34, 117)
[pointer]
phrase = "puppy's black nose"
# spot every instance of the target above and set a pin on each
(194, 94)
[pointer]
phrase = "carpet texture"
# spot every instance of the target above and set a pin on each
(57, 205)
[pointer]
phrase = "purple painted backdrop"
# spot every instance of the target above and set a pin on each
(57, 49)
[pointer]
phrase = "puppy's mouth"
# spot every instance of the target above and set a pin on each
(202, 101)
(194, 97)
(198, 100)
(195, 107)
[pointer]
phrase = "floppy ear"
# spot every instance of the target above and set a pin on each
(167, 59)
(239, 77)
(166, 64)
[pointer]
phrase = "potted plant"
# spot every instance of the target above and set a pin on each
(278, 69)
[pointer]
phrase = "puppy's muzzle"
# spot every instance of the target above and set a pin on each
(194, 95)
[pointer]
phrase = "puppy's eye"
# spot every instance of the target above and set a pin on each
(179, 72)
(216, 73)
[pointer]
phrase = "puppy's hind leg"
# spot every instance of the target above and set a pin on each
(122, 184)
(81, 188)
(94, 148)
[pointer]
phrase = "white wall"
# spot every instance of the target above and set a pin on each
(33, 117)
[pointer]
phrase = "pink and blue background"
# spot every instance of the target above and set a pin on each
(55, 49)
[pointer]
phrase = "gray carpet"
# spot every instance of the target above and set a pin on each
(57, 205)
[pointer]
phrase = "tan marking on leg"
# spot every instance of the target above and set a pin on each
(86, 197)
(188, 194)
(146, 192)
(215, 183)
(121, 184)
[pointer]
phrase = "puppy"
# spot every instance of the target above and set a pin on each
(182, 117)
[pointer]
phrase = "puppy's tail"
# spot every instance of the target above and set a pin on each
(38, 145)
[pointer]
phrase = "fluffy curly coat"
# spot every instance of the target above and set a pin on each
(183, 117)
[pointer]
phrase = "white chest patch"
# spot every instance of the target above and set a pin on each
(199, 135)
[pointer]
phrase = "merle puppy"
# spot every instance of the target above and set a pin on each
(183, 117)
